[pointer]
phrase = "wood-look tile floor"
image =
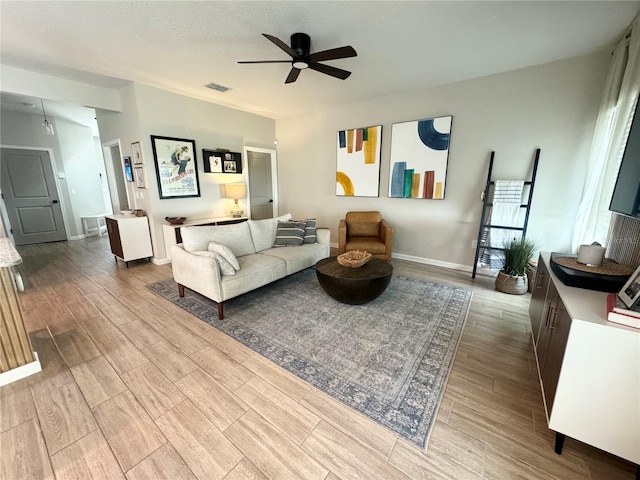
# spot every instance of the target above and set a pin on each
(133, 387)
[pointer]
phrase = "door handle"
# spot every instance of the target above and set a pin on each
(271, 201)
(53, 201)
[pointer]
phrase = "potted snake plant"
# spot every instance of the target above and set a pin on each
(512, 278)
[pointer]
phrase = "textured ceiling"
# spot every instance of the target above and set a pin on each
(402, 46)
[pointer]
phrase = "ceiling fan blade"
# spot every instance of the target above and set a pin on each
(293, 75)
(333, 54)
(328, 70)
(280, 44)
(265, 61)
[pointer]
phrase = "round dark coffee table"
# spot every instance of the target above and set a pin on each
(354, 286)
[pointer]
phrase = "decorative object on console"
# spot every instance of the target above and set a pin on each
(235, 191)
(358, 162)
(630, 292)
(512, 278)
(419, 156)
(354, 258)
(621, 314)
(591, 255)
(608, 277)
(221, 161)
(175, 220)
(176, 167)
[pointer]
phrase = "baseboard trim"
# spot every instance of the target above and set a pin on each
(20, 372)
(160, 261)
(437, 263)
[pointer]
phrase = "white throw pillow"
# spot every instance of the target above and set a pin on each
(225, 253)
(225, 267)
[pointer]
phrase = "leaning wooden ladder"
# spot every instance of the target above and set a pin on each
(487, 202)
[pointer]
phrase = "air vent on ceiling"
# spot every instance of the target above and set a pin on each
(215, 86)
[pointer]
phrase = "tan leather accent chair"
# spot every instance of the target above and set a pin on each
(365, 231)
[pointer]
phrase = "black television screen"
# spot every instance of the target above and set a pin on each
(626, 194)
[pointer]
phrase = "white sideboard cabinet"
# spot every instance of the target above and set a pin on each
(589, 368)
(129, 237)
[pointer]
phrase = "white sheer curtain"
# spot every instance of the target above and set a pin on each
(612, 129)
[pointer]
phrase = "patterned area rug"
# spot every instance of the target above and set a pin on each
(388, 359)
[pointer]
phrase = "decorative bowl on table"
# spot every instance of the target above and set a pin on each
(127, 212)
(354, 258)
(175, 220)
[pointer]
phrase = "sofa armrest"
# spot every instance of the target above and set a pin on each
(342, 236)
(198, 273)
(323, 235)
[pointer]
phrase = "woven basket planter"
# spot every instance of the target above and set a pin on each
(515, 285)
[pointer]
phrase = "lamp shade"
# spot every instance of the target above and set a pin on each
(235, 190)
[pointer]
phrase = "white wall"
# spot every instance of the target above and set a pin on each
(150, 111)
(551, 106)
(74, 155)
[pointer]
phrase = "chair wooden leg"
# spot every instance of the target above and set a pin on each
(181, 290)
(220, 312)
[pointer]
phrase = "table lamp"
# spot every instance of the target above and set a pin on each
(235, 191)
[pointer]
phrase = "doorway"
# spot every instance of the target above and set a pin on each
(31, 197)
(263, 182)
(114, 167)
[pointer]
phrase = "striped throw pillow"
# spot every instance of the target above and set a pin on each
(290, 234)
(309, 230)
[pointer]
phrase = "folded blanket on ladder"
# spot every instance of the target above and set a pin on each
(506, 211)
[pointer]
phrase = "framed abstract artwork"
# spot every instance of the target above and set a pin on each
(176, 168)
(419, 156)
(358, 162)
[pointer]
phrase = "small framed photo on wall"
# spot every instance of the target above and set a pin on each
(136, 151)
(139, 171)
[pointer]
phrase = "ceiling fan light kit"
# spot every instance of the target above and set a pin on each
(302, 58)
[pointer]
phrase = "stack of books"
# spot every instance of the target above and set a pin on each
(617, 312)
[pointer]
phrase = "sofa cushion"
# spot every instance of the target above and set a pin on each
(225, 252)
(289, 234)
(372, 245)
(225, 267)
(299, 258)
(255, 271)
(263, 233)
(236, 236)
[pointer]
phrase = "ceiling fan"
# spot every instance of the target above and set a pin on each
(302, 58)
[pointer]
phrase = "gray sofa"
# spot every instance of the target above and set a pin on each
(251, 242)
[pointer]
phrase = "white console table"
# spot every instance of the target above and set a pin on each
(171, 233)
(589, 368)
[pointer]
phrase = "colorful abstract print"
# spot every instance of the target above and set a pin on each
(358, 162)
(419, 155)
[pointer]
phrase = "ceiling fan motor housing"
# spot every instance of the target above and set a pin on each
(301, 44)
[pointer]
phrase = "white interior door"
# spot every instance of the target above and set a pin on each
(262, 183)
(31, 197)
